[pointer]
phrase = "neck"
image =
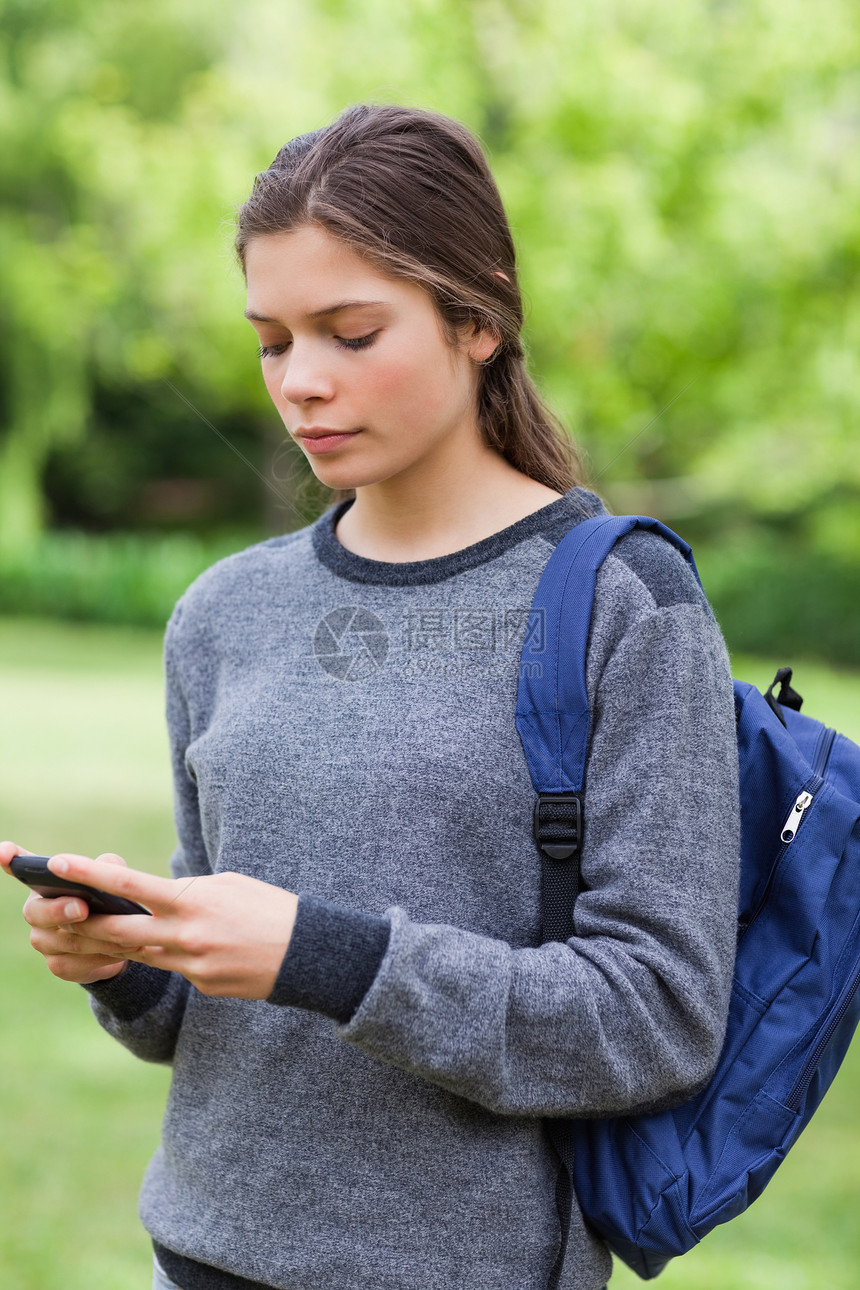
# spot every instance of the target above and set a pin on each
(404, 519)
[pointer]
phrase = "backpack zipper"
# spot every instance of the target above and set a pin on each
(787, 834)
(824, 751)
(802, 803)
(843, 1003)
(795, 1096)
(792, 824)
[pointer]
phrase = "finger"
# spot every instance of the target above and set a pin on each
(153, 956)
(122, 931)
(50, 941)
(8, 852)
(69, 967)
(110, 857)
(150, 955)
(118, 879)
(42, 911)
(76, 940)
(68, 940)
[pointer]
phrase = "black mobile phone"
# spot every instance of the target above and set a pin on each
(34, 871)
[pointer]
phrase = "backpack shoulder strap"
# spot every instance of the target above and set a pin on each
(553, 721)
(553, 717)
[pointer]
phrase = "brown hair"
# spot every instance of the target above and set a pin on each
(411, 192)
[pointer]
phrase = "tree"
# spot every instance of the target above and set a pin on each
(679, 181)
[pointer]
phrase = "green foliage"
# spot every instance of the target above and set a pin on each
(698, 222)
(681, 184)
(773, 596)
(113, 164)
(118, 579)
(770, 596)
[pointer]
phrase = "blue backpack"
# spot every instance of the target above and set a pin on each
(653, 1185)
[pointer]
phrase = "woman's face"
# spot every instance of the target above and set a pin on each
(350, 351)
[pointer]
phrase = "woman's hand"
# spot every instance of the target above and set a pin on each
(226, 933)
(49, 920)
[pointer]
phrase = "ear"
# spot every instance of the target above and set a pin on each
(482, 345)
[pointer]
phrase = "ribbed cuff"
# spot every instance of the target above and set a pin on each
(332, 959)
(132, 992)
(191, 1275)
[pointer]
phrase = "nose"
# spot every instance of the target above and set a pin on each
(305, 376)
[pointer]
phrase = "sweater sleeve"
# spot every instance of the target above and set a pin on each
(631, 1011)
(143, 1006)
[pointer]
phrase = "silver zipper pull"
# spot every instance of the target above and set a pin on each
(792, 824)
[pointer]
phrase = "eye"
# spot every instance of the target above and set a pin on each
(359, 342)
(270, 351)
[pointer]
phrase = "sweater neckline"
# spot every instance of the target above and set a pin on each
(575, 505)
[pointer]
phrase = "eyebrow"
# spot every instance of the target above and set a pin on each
(320, 313)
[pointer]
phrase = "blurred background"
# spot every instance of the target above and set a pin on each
(684, 189)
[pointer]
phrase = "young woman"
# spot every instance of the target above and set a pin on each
(344, 971)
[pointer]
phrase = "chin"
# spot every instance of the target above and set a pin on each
(343, 475)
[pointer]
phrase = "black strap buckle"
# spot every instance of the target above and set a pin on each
(787, 697)
(558, 824)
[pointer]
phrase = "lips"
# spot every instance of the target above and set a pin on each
(318, 432)
(320, 439)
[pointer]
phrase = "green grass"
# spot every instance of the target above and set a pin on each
(83, 767)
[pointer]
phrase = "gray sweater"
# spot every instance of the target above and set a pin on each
(344, 728)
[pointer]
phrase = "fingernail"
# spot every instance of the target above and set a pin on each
(70, 910)
(60, 866)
